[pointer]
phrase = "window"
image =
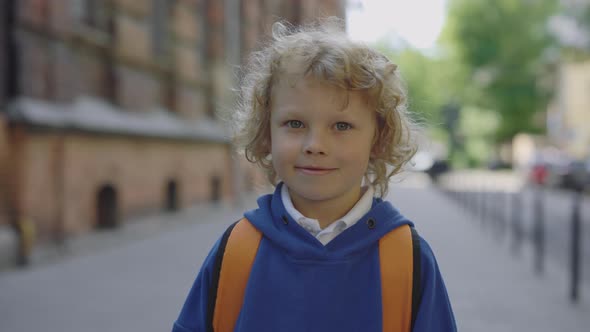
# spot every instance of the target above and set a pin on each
(96, 14)
(161, 10)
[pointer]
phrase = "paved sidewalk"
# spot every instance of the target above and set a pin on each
(132, 230)
(490, 289)
(132, 279)
(135, 279)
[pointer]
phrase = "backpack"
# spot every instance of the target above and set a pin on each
(399, 255)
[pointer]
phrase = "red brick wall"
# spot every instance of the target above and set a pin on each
(4, 175)
(35, 13)
(215, 25)
(134, 7)
(56, 176)
(258, 16)
(312, 9)
(251, 25)
(138, 169)
(133, 40)
(61, 21)
(184, 22)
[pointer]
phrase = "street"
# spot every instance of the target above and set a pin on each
(136, 286)
(555, 210)
(140, 285)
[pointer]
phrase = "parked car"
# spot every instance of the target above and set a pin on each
(576, 175)
(538, 173)
(547, 174)
(548, 170)
(564, 174)
(498, 164)
(439, 167)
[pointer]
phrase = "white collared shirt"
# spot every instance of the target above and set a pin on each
(334, 229)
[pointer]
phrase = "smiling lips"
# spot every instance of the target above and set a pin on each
(314, 170)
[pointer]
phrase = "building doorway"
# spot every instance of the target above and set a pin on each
(106, 207)
(215, 189)
(171, 204)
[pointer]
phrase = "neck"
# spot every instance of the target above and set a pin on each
(328, 210)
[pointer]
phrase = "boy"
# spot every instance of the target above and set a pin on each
(326, 118)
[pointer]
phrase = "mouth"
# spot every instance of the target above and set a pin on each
(314, 170)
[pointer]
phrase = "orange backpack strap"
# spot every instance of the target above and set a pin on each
(399, 255)
(240, 250)
(400, 275)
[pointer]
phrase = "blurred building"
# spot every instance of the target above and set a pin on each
(107, 107)
(568, 117)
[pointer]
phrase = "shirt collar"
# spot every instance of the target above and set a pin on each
(358, 210)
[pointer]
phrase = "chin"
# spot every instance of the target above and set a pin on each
(314, 194)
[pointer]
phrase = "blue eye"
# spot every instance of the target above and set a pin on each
(295, 124)
(342, 126)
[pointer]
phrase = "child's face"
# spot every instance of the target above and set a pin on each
(319, 148)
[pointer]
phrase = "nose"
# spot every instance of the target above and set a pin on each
(315, 143)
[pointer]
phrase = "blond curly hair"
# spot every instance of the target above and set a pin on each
(324, 52)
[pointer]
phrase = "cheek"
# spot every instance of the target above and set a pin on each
(275, 141)
(283, 143)
(362, 160)
(283, 149)
(359, 154)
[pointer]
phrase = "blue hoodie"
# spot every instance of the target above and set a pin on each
(298, 284)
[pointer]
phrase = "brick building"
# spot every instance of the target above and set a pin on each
(107, 107)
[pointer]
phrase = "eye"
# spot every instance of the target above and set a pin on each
(342, 126)
(295, 124)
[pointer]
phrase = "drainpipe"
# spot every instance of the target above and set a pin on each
(11, 65)
(59, 231)
(233, 19)
(22, 225)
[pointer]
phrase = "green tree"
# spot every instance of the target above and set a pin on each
(501, 45)
(429, 81)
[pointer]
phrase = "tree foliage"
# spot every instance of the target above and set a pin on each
(429, 81)
(502, 46)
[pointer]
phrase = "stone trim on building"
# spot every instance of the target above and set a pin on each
(94, 115)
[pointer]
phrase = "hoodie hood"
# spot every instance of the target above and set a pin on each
(275, 223)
